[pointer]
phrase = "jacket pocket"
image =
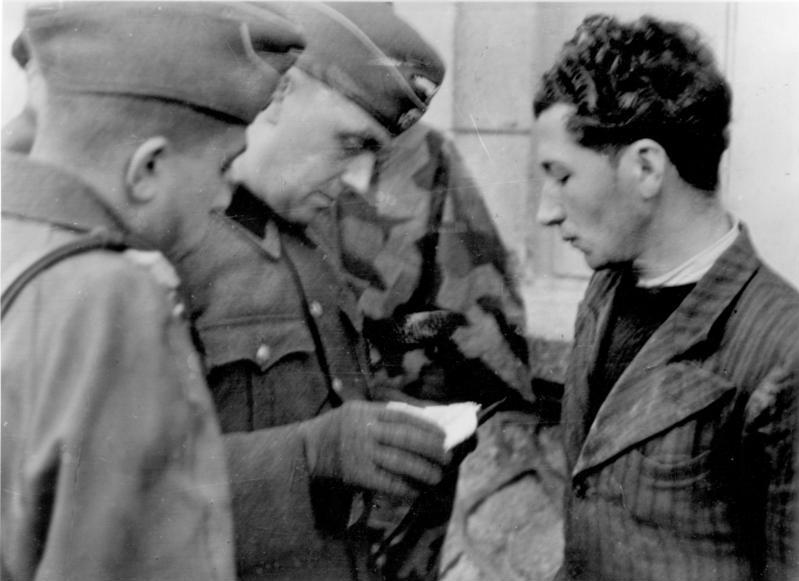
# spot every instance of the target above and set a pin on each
(680, 478)
(263, 372)
(263, 341)
(676, 458)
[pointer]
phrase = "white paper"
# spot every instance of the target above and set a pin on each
(458, 420)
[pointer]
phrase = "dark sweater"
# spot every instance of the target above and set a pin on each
(637, 314)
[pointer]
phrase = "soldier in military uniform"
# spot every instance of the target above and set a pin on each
(18, 132)
(112, 460)
(281, 333)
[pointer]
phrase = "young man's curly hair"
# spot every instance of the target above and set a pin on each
(646, 79)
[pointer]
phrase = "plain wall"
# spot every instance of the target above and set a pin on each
(495, 53)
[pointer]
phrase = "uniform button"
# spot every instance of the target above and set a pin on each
(338, 385)
(316, 309)
(178, 310)
(263, 353)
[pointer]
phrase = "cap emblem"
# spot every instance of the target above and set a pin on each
(408, 118)
(423, 86)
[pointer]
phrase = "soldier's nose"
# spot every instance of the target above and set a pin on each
(359, 172)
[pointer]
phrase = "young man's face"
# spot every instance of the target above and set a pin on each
(307, 146)
(588, 197)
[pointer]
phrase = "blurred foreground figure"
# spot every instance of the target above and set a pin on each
(112, 460)
(680, 408)
(280, 331)
(18, 133)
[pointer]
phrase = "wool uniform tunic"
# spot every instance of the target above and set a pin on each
(109, 438)
(280, 335)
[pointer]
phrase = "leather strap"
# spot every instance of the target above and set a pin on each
(12, 288)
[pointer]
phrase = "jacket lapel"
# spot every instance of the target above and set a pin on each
(656, 391)
(592, 319)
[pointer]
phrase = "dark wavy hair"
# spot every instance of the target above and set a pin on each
(644, 79)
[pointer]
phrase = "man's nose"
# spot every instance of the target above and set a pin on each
(550, 210)
(358, 175)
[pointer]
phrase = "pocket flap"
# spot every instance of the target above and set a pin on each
(262, 340)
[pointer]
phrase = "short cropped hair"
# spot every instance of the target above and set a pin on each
(94, 126)
(645, 79)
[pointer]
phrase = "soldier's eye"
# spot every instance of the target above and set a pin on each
(351, 145)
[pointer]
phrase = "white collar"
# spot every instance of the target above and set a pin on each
(695, 267)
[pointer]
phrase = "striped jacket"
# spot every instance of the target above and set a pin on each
(687, 471)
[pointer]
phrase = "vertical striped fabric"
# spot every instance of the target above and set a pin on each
(687, 472)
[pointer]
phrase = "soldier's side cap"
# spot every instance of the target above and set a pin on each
(369, 54)
(223, 58)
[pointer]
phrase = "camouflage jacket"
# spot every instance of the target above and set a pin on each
(423, 240)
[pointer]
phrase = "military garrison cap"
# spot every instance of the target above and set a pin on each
(369, 54)
(224, 58)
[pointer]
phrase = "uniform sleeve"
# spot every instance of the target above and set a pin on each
(271, 488)
(122, 474)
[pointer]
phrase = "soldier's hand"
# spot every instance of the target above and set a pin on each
(368, 445)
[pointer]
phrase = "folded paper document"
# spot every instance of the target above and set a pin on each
(458, 420)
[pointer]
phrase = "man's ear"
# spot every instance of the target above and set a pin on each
(647, 161)
(144, 169)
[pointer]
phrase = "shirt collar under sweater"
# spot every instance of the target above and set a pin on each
(695, 267)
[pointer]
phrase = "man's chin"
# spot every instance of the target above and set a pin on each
(595, 262)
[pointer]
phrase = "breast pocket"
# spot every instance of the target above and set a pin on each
(682, 477)
(263, 372)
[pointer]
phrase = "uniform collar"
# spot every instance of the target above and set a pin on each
(42, 192)
(265, 226)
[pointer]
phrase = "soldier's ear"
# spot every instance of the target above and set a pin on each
(145, 169)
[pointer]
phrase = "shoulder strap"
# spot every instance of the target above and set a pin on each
(102, 241)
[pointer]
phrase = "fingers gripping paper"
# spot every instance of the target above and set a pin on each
(458, 420)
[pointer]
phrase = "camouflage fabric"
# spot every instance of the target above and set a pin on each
(423, 240)
(441, 313)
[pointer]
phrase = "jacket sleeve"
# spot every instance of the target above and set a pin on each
(118, 458)
(271, 488)
(772, 454)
